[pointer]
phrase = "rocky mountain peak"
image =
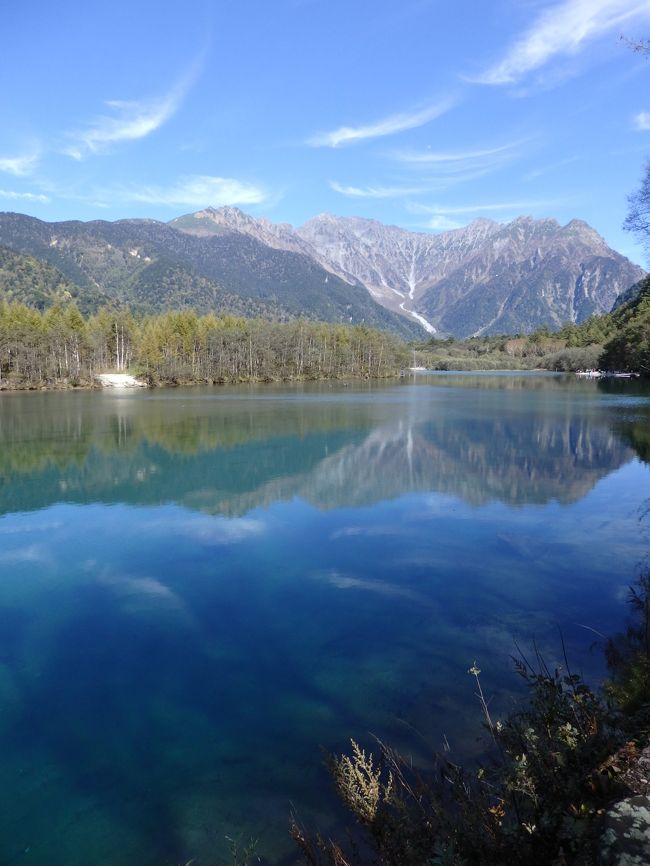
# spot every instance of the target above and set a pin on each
(226, 216)
(479, 224)
(486, 277)
(279, 236)
(580, 229)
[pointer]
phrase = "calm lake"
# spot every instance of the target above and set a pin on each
(200, 588)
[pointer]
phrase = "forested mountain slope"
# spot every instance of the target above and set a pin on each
(151, 266)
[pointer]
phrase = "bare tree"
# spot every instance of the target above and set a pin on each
(638, 217)
(639, 46)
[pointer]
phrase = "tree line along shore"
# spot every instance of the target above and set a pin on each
(59, 347)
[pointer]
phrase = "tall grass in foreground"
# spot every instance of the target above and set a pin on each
(553, 766)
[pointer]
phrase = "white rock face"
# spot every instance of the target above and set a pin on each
(284, 236)
(388, 257)
(484, 278)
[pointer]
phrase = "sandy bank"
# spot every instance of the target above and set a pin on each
(119, 380)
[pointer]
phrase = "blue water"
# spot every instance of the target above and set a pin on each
(200, 588)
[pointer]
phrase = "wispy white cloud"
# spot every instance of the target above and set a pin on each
(366, 531)
(642, 121)
(562, 29)
(489, 207)
(225, 530)
(130, 120)
(194, 190)
(431, 157)
(23, 196)
(440, 169)
(45, 526)
(339, 580)
(446, 217)
(386, 126)
(20, 165)
(430, 171)
(374, 191)
(29, 553)
(440, 222)
(540, 171)
(208, 529)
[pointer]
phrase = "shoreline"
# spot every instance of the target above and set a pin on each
(130, 382)
(5, 388)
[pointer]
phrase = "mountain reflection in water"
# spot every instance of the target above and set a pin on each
(242, 449)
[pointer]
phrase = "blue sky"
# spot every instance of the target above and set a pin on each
(421, 113)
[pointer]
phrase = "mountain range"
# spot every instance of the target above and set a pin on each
(484, 278)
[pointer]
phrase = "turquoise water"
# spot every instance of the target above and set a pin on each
(200, 588)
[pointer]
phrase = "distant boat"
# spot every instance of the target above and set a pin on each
(590, 374)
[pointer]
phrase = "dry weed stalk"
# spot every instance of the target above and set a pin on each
(359, 782)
